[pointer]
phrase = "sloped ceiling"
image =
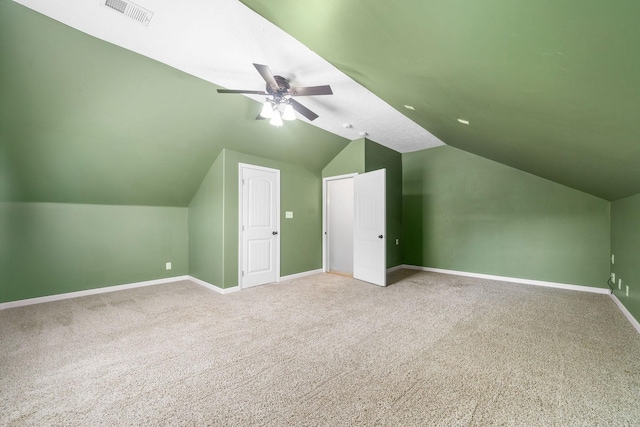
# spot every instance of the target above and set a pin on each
(549, 87)
(85, 121)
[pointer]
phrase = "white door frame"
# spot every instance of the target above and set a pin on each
(241, 166)
(325, 193)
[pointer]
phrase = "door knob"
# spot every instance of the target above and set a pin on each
(380, 236)
(274, 233)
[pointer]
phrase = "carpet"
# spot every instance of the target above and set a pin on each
(430, 349)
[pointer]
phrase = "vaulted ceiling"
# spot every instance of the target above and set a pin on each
(551, 88)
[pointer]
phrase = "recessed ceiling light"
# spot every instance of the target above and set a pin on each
(410, 107)
(463, 121)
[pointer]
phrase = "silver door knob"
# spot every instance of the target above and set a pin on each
(380, 236)
(274, 233)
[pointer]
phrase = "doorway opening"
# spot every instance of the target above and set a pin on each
(338, 227)
(354, 226)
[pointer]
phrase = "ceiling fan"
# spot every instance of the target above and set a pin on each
(282, 94)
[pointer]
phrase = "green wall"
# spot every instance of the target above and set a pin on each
(206, 227)
(466, 213)
(54, 248)
(300, 236)
(350, 160)
(380, 157)
(625, 241)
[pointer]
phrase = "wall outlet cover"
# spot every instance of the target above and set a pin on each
(627, 290)
(619, 283)
(288, 214)
(168, 266)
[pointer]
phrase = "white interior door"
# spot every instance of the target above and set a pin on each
(369, 247)
(260, 214)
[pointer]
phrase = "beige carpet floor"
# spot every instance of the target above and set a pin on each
(429, 349)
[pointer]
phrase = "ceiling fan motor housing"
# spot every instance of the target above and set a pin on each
(281, 90)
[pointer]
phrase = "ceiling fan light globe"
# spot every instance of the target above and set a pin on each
(288, 113)
(276, 120)
(267, 110)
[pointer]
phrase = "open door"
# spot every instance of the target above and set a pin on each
(369, 244)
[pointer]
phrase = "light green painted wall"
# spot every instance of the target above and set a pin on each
(300, 237)
(53, 248)
(206, 227)
(379, 157)
(625, 241)
(6, 184)
(466, 213)
(349, 160)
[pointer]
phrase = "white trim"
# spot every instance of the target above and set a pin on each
(325, 180)
(626, 313)
(299, 275)
(224, 203)
(396, 268)
(213, 287)
(514, 280)
(96, 291)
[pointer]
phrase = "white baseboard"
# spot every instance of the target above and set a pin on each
(580, 288)
(396, 268)
(96, 291)
(626, 313)
(213, 287)
(299, 275)
(514, 280)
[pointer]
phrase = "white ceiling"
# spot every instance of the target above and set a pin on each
(219, 40)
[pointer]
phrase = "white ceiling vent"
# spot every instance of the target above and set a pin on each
(130, 9)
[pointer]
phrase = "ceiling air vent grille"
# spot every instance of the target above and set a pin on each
(131, 10)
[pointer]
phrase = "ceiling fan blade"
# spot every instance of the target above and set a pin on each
(252, 92)
(303, 110)
(311, 90)
(266, 74)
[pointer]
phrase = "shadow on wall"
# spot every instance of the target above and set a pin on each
(413, 249)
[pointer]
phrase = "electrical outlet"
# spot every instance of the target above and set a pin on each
(397, 242)
(619, 284)
(613, 259)
(168, 266)
(613, 277)
(627, 290)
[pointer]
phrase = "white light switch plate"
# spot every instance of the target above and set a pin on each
(288, 214)
(168, 266)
